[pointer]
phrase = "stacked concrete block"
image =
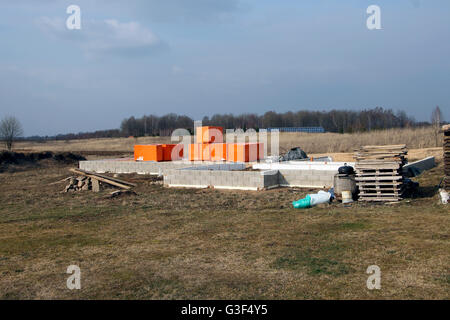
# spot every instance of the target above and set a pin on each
(251, 180)
(307, 178)
(130, 166)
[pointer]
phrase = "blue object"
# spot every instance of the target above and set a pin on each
(297, 129)
(302, 203)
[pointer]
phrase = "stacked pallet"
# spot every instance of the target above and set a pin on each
(379, 172)
(446, 146)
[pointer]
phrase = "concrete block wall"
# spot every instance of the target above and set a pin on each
(221, 166)
(307, 178)
(131, 166)
(249, 180)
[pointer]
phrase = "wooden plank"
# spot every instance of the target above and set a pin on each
(109, 178)
(375, 166)
(380, 199)
(95, 185)
(376, 174)
(378, 194)
(108, 181)
(393, 146)
(393, 178)
(372, 188)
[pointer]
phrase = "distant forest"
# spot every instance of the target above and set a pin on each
(340, 121)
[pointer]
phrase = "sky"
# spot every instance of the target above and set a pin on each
(201, 57)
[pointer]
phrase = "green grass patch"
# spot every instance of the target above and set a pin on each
(314, 262)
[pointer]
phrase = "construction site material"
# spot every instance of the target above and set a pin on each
(379, 172)
(221, 179)
(158, 152)
(209, 134)
(118, 193)
(80, 183)
(172, 152)
(106, 177)
(103, 179)
(303, 165)
(444, 196)
(415, 168)
(446, 147)
(208, 147)
(294, 154)
(347, 197)
(302, 203)
(306, 178)
(148, 152)
(346, 170)
(245, 152)
(319, 198)
(312, 200)
(342, 183)
(304, 174)
(131, 166)
(95, 185)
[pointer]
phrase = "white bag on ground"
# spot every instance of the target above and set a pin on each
(320, 197)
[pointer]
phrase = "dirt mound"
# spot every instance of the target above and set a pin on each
(26, 159)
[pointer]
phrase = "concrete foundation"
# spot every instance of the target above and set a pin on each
(221, 179)
(131, 166)
(219, 175)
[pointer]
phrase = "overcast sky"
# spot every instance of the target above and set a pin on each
(200, 57)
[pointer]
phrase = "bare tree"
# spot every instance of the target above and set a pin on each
(436, 120)
(10, 130)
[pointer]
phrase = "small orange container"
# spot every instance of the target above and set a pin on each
(209, 134)
(152, 152)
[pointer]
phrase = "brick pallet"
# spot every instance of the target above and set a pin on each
(379, 172)
(446, 147)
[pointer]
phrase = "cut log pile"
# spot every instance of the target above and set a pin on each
(379, 172)
(446, 130)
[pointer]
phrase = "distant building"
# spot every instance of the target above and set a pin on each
(298, 129)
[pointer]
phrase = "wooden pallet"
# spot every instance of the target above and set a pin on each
(379, 172)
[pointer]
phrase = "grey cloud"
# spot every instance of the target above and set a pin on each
(98, 38)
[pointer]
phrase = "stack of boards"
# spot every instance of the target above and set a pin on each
(379, 172)
(446, 130)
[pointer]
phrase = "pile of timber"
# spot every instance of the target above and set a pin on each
(379, 172)
(92, 181)
(446, 146)
(80, 183)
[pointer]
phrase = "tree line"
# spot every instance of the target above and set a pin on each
(338, 121)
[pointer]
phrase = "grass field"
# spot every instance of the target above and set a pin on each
(210, 244)
(414, 138)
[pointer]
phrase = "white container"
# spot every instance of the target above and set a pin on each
(347, 197)
(444, 196)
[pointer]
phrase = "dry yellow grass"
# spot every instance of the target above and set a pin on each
(210, 244)
(414, 138)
